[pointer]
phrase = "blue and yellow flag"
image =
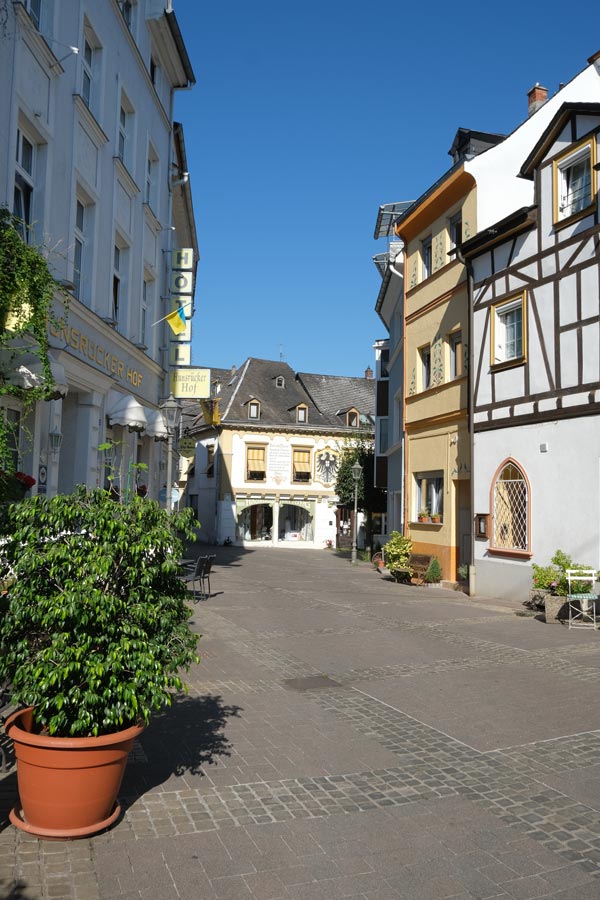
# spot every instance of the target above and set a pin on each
(176, 320)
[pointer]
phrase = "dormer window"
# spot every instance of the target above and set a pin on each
(302, 413)
(573, 181)
(280, 381)
(254, 409)
(352, 418)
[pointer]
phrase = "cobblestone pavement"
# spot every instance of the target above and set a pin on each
(348, 737)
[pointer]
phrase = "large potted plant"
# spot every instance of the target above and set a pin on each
(94, 631)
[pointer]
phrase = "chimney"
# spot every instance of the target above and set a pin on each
(368, 372)
(536, 97)
(233, 370)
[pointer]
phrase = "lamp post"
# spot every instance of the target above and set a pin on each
(171, 413)
(356, 473)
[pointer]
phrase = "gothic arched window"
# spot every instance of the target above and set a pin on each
(510, 494)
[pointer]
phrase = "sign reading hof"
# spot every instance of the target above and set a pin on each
(190, 384)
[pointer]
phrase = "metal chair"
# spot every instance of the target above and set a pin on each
(582, 605)
(199, 577)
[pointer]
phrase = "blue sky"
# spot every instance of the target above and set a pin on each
(304, 119)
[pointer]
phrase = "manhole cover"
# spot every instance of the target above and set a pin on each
(310, 683)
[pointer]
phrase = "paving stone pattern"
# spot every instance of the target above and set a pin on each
(279, 778)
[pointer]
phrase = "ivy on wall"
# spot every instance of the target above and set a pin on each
(27, 293)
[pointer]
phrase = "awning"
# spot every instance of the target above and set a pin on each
(30, 374)
(124, 410)
(156, 424)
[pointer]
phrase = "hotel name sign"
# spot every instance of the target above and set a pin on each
(92, 349)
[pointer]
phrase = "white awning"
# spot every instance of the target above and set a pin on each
(30, 374)
(124, 410)
(156, 424)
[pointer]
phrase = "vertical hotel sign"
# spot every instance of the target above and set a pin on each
(182, 291)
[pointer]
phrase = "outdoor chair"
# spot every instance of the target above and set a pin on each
(198, 577)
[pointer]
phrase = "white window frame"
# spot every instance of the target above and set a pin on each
(426, 257)
(34, 8)
(506, 348)
(425, 360)
(125, 128)
(302, 414)
(254, 409)
(567, 202)
(25, 171)
(454, 224)
(79, 254)
(87, 71)
(455, 345)
(151, 189)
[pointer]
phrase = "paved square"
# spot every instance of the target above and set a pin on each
(347, 737)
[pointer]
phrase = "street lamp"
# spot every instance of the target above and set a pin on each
(356, 473)
(171, 413)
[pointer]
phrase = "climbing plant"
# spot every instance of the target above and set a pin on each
(27, 293)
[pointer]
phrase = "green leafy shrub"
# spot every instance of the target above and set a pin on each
(434, 572)
(546, 577)
(554, 578)
(94, 626)
(397, 551)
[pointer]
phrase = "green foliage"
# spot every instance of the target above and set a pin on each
(554, 578)
(434, 572)
(370, 499)
(546, 577)
(463, 572)
(397, 551)
(94, 627)
(27, 293)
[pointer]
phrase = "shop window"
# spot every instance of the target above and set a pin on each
(429, 494)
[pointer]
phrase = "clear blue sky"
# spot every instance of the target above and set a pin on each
(305, 119)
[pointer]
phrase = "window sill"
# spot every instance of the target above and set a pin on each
(428, 522)
(569, 220)
(508, 364)
(513, 554)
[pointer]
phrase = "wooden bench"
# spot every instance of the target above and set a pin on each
(414, 571)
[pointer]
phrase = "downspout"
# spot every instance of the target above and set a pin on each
(470, 416)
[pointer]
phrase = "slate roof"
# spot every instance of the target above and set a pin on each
(327, 397)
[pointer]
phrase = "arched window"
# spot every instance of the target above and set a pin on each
(510, 498)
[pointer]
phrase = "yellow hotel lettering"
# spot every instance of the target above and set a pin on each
(94, 352)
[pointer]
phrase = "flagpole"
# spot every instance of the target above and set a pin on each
(158, 321)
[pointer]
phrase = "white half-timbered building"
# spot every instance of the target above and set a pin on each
(535, 363)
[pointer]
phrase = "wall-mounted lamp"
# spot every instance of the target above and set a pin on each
(54, 443)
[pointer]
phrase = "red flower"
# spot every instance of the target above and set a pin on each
(25, 480)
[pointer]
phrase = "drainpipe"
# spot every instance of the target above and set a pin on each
(470, 416)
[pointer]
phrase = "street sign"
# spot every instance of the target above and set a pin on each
(190, 383)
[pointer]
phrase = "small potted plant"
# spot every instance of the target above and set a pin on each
(94, 630)
(423, 515)
(436, 518)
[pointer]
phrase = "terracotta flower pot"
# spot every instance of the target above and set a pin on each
(67, 786)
